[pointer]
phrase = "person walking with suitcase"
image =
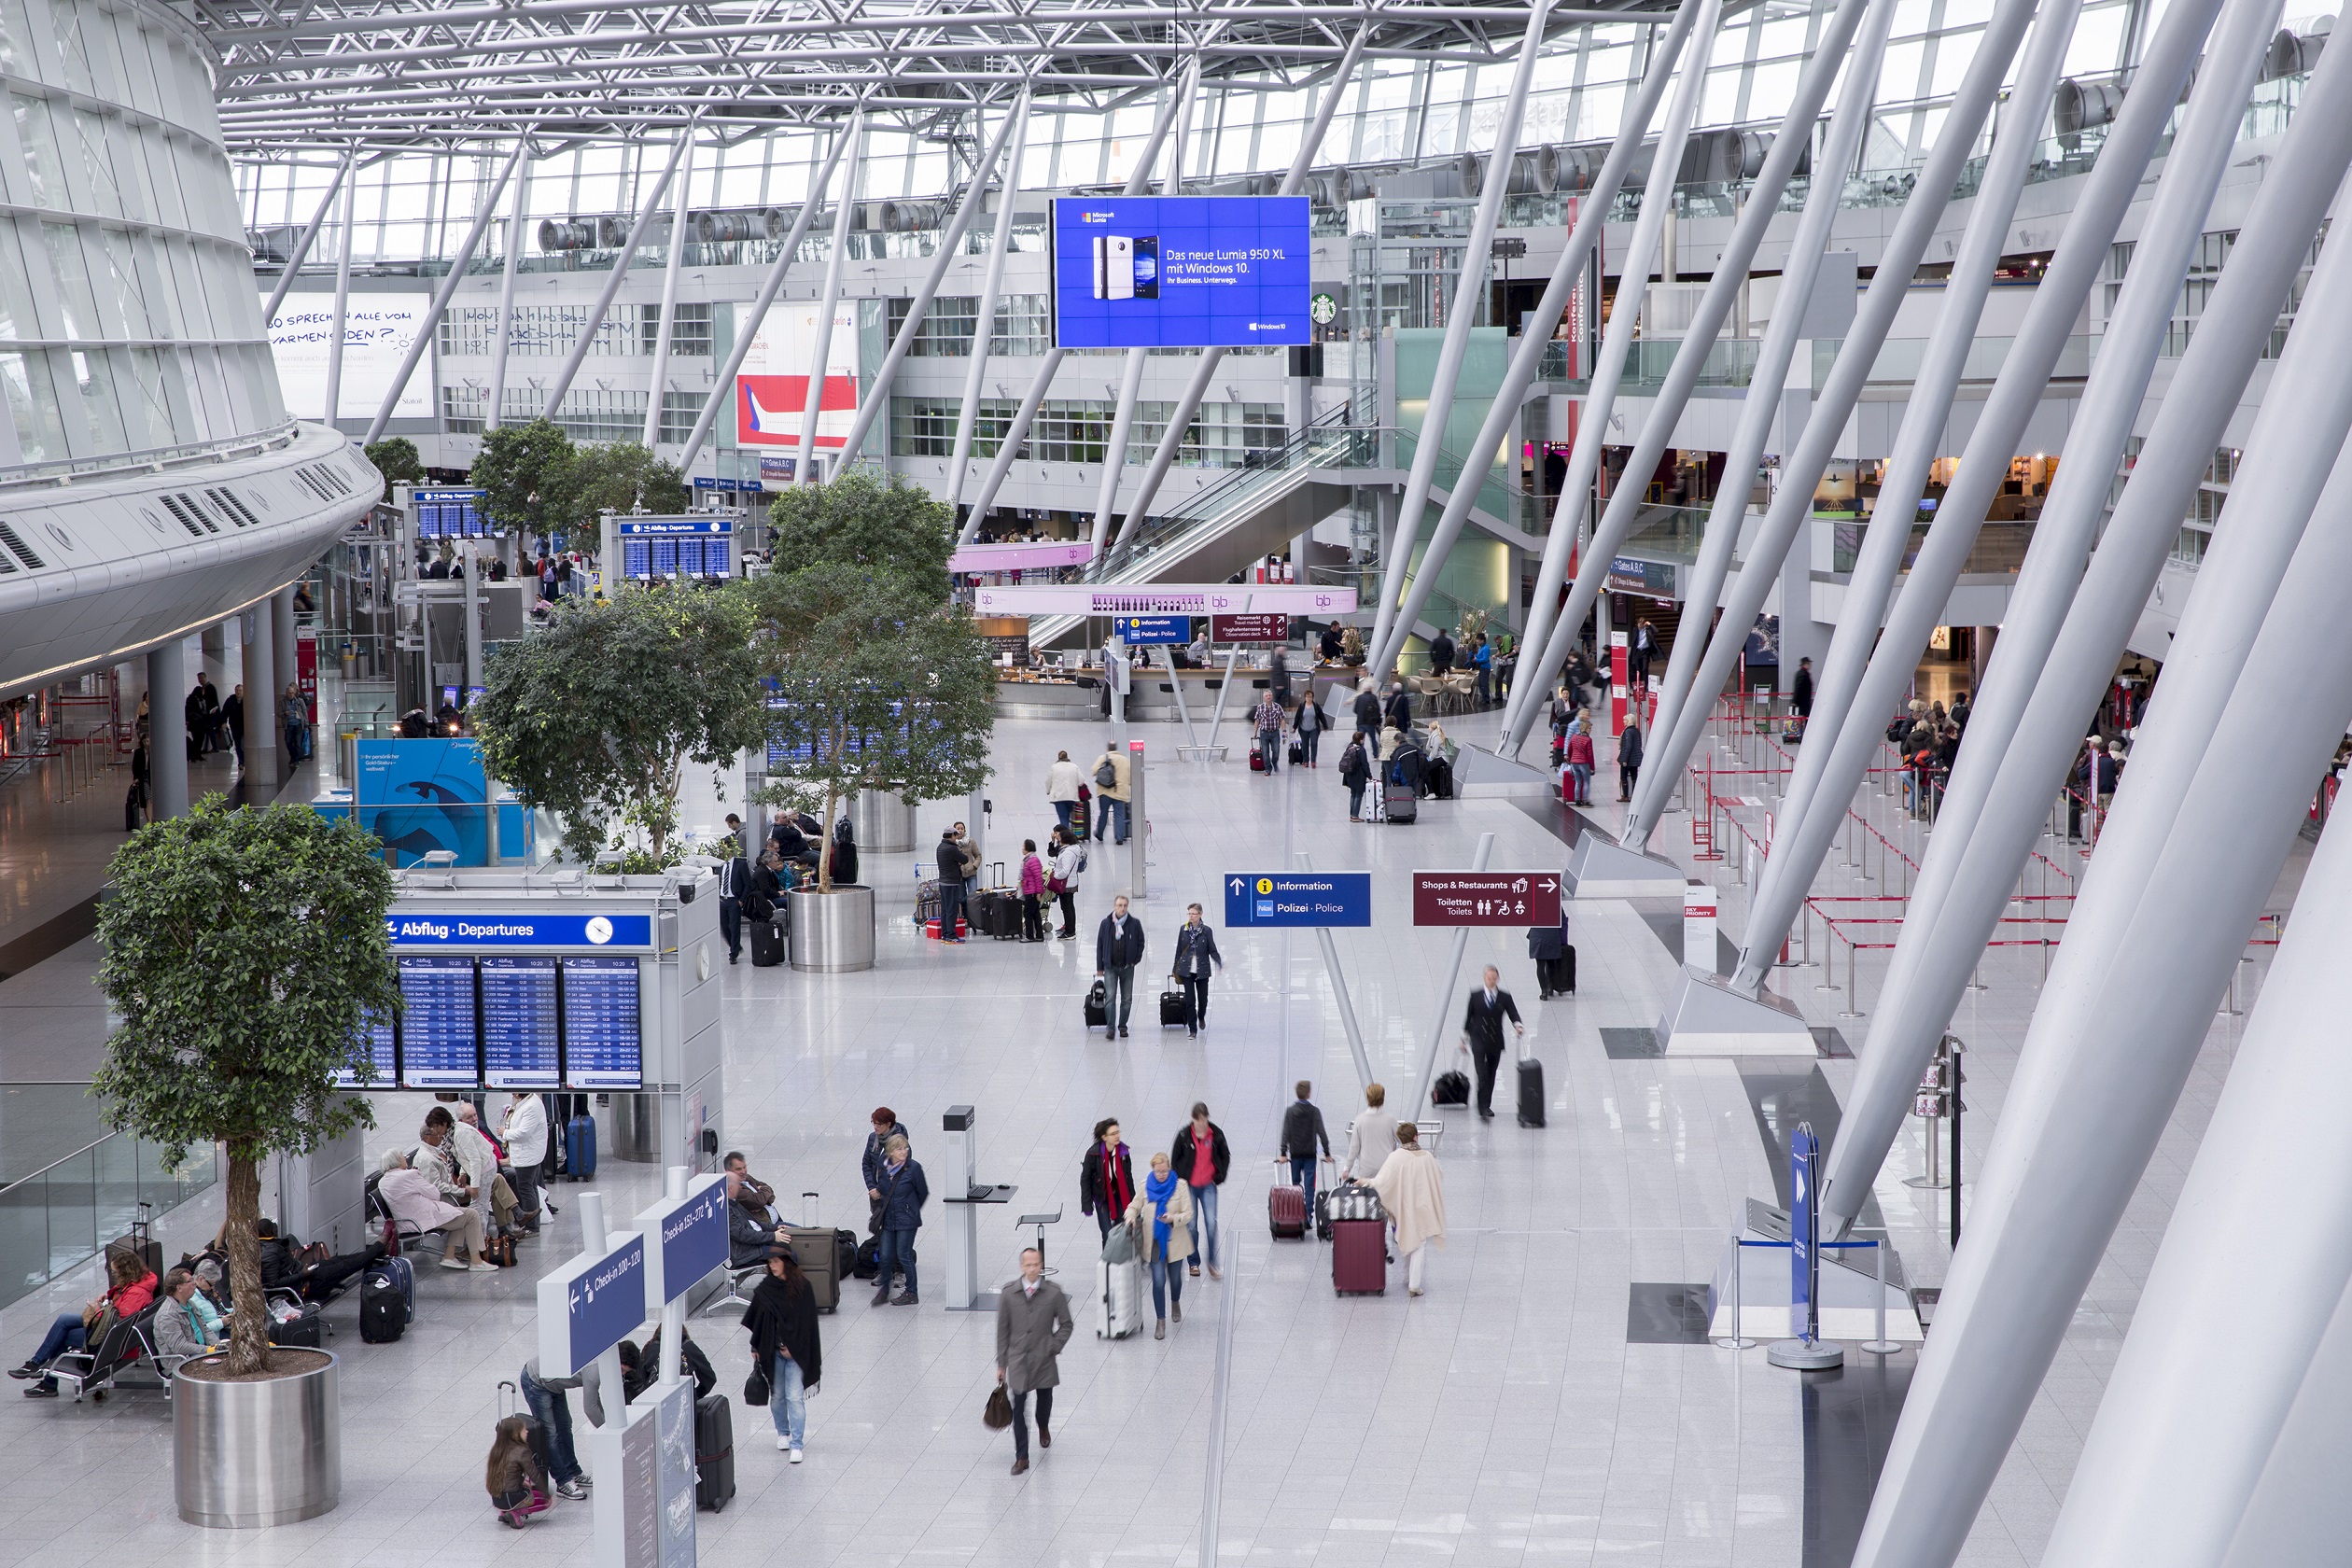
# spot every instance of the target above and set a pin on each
(1106, 1177)
(735, 885)
(1302, 1131)
(1310, 722)
(786, 1345)
(1266, 718)
(1201, 1156)
(1118, 949)
(1033, 1324)
(1413, 1191)
(1062, 784)
(1555, 959)
(1196, 956)
(1161, 1216)
(1371, 1137)
(904, 1194)
(1482, 1036)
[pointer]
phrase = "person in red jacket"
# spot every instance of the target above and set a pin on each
(1580, 767)
(130, 1291)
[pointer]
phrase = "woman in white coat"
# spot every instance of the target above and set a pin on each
(1413, 1191)
(1062, 782)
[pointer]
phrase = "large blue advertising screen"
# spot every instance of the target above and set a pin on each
(1180, 272)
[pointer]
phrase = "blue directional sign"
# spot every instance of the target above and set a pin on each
(687, 1237)
(1804, 1154)
(1142, 629)
(589, 1305)
(421, 930)
(1298, 897)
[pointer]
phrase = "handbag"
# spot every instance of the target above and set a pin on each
(755, 1387)
(1056, 886)
(998, 1414)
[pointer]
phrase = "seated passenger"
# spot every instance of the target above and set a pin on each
(748, 1237)
(316, 1278)
(415, 1202)
(130, 1288)
(756, 1195)
(178, 1332)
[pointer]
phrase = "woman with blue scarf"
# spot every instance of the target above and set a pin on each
(1161, 1218)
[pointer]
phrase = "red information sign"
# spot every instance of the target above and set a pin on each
(1249, 629)
(1486, 898)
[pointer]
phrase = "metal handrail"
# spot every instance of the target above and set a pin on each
(64, 469)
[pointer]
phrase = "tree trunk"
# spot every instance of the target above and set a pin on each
(825, 842)
(249, 1328)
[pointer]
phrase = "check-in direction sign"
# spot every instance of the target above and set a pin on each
(1298, 898)
(687, 1237)
(1486, 898)
(589, 1305)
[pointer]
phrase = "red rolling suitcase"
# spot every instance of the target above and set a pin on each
(1286, 1212)
(1359, 1257)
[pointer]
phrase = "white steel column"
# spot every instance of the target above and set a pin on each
(620, 273)
(457, 265)
(722, 390)
(1468, 289)
(1179, 418)
(506, 294)
(2059, 642)
(1838, 755)
(1540, 660)
(662, 330)
(877, 398)
(342, 306)
(302, 246)
(1131, 384)
(991, 287)
(1034, 398)
(1792, 504)
(1730, 276)
(805, 471)
(2263, 1229)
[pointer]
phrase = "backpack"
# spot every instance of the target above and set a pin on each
(1107, 775)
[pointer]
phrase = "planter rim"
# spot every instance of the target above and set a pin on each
(332, 1361)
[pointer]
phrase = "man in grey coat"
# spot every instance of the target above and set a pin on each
(1033, 1324)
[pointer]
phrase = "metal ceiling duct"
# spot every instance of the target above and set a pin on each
(2081, 104)
(577, 234)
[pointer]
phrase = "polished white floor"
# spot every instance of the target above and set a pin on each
(1501, 1419)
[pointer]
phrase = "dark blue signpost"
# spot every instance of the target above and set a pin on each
(1298, 898)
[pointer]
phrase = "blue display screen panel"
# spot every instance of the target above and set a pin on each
(441, 1042)
(636, 558)
(519, 1028)
(380, 1051)
(603, 1045)
(1180, 272)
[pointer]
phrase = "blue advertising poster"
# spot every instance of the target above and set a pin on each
(422, 795)
(1804, 1155)
(1302, 899)
(1180, 272)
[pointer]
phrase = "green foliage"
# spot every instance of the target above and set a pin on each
(596, 716)
(619, 476)
(896, 531)
(883, 685)
(395, 458)
(521, 470)
(245, 952)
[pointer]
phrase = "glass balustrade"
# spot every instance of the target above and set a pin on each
(68, 1186)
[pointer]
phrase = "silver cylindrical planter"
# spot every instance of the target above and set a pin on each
(884, 823)
(245, 1455)
(637, 1128)
(832, 933)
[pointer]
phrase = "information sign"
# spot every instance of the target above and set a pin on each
(1298, 898)
(440, 1043)
(413, 929)
(519, 1023)
(1249, 629)
(1486, 898)
(1193, 272)
(1138, 630)
(449, 513)
(604, 1044)
(688, 1237)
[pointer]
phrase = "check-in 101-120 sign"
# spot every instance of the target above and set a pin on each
(1180, 272)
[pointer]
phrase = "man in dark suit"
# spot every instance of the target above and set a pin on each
(1482, 1034)
(734, 881)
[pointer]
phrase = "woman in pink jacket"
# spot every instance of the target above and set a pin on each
(1032, 893)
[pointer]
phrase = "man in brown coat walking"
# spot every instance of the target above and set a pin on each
(1033, 1324)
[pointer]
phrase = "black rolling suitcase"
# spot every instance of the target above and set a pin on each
(1004, 915)
(1098, 1011)
(1531, 1092)
(1564, 970)
(1174, 1011)
(714, 1453)
(767, 944)
(309, 1329)
(1398, 803)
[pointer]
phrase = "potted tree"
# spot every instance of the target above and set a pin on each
(874, 684)
(245, 953)
(595, 716)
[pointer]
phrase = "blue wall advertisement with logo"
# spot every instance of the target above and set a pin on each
(1180, 272)
(422, 795)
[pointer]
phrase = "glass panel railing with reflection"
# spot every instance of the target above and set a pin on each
(68, 1186)
(1329, 443)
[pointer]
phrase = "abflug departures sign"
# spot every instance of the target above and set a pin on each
(1180, 272)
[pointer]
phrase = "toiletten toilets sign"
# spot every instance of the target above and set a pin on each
(772, 389)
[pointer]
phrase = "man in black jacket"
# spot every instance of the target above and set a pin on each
(1118, 949)
(735, 883)
(1482, 1034)
(1801, 690)
(1399, 710)
(749, 1236)
(1441, 654)
(1302, 1134)
(951, 885)
(1196, 954)
(1367, 719)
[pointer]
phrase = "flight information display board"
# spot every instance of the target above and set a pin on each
(439, 1042)
(1190, 272)
(604, 1046)
(379, 1052)
(519, 1023)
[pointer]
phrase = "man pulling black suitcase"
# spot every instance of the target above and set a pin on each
(1482, 1034)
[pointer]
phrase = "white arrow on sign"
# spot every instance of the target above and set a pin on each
(1236, 883)
(1545, 885)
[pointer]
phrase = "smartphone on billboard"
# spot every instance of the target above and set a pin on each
(1114, 267)
(1146, 266)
